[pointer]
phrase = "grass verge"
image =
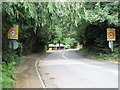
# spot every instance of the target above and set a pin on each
(51, 50)
(98, 55)
(9, 61)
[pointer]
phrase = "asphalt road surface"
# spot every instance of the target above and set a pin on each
(67, 69)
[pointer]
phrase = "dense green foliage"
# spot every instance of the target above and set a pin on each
(8, 77)
(10, 60)
(41, 23)
(98, 55)
(47, 22)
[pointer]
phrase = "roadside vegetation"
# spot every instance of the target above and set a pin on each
(44, 23)
(10, 60)
(99, 56)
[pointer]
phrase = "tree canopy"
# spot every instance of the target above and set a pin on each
(41, 23)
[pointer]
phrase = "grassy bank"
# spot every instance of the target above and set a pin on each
(51, 50)
(98, 55)
(10, 61)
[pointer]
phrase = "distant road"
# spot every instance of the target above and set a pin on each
(67, 69)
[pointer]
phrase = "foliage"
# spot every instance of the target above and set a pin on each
(0, 75)
(70, 42)
(98, 55)
(8, 77)
(42, 23)
(19, 50)
(85, 52)
(10, 60)
(113, 56)
(11, 56)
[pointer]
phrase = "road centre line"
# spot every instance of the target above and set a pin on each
(64, 56)
(100, 68)
(96, 67)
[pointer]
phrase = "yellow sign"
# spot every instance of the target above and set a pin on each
(111, 35)
(13, 33)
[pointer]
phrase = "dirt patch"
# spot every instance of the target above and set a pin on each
(26, 73)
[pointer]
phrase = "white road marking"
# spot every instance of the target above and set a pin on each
(101, 68)
(40, 78)
(64, 56)
(94, 66)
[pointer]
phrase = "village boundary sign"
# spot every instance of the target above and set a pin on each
(13, 33)
(13, 37)
(111, 35)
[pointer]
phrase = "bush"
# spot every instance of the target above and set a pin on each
(99, 55)
(8, 77)
(11, 56)
(10, 60)
(70, 42)
(111, 56)
(19, 50)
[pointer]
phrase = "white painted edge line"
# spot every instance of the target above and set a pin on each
(39, 75)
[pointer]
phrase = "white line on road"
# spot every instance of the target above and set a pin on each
(101, 68)
(94, 66)
(64, 56)
(41, 81)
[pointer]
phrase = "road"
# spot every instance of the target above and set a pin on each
(67, 69)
